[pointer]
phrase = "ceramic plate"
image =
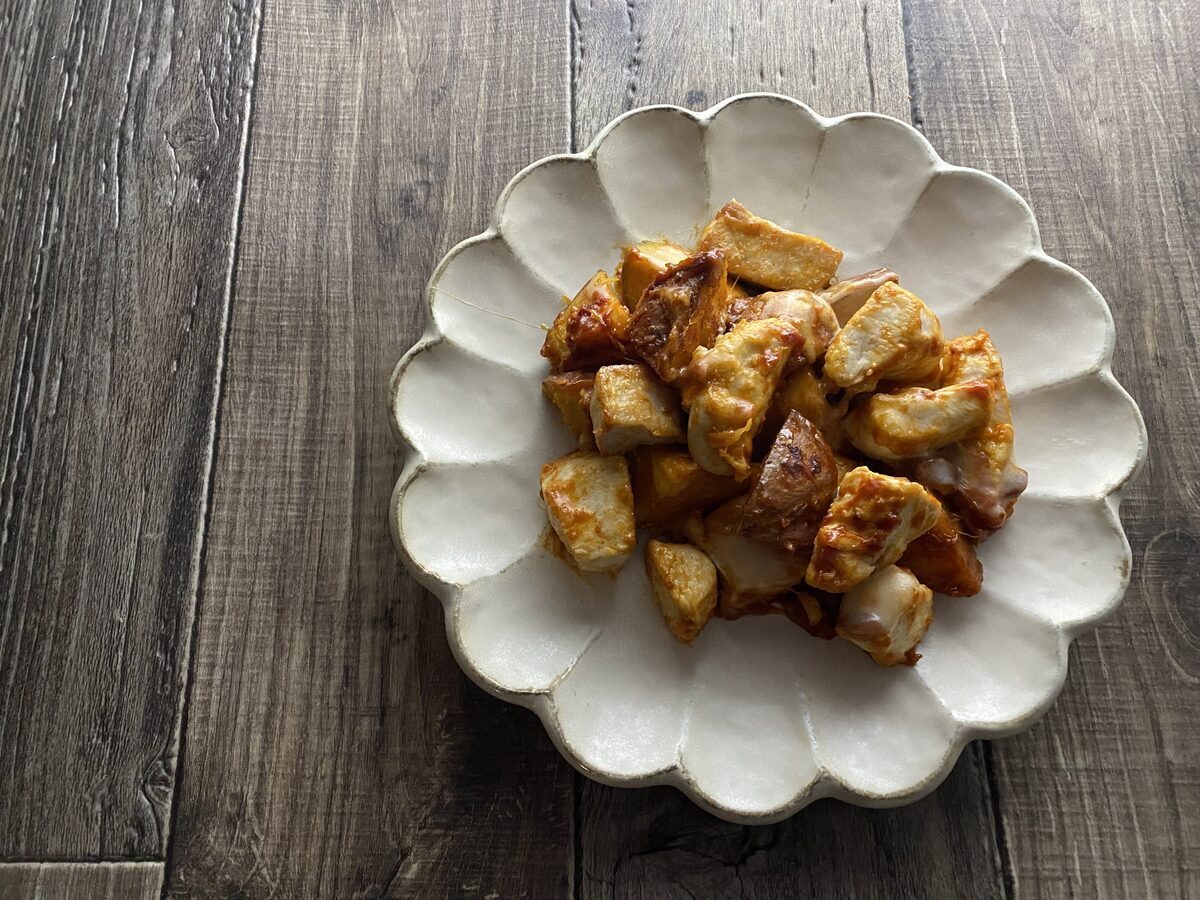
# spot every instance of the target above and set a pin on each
(757, 719)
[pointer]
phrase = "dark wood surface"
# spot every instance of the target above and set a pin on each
(217, 220)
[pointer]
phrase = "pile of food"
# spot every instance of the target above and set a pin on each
(796, 443)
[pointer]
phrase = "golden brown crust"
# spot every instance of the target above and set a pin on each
(763, 253)
(591, 329)
(943, 559)
(641, 263)
(571, 393)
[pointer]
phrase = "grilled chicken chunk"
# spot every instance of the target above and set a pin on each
(668, 484)
(630, 407)
(944, 560)
(872, 520)
(847, 295)
(894, 337)
(979, 476)
(728, 388)
(916, 421)
(887, 615)
(761, 252)
(590, 504)
(591, 329)
(643, 262)
(793, 490)
(811, 316)
(571, 393)
(684, 581)
(752, 573)
(682, 310)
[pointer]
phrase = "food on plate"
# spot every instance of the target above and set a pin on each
(794, 488)
(590, 330)
(887, 615)
(684, 581)
(643, 262)
(668, 484)
(728, 388)
(893, 337)
(761, 252)
(681, 310)
(590, 504)
(868, 526)
(630, 407)
(571, 393)
(795, 444)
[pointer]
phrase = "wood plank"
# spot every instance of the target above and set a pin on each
(838, 57)
(120, 172)
(81, 881)
(333, 748)
(1092, 111)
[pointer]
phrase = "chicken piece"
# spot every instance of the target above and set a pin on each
(887, 615)
(727, 391)
(979, 476)
(590, 331)
(752, 573)
(681, 310)
(571, 392)
(811, 316)
(872, 520)
(847, 295)
(762, 252)
(668, 484)
(641, 263)
(894, 337)
(916, 421)
(797, 483)
(944, 560)
(685, 585)
(590, 504)
(630, 406)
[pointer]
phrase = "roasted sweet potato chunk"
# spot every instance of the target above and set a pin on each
(752, 573)
(668, 484)
(793, 490)
(571, 392)
(641, 263)
(631, 407)
(590, 504)
(681, 310)
(684, 581)
(943, 559)
(762, 252)
(590, 331)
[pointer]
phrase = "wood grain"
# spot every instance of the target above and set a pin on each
(121, 130)
(81, 881)
(839, 58)
(1092, 111)
(332, 746)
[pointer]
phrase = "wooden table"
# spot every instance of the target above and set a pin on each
(216, 220)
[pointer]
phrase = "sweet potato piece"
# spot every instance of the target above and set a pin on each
(590, 505)
(682, 309)
(668, 484)
(752, 573)
(887, 615)
(590, 331)
(684, 581)
(641, 263)
(630, 407)
(762, 252)
(571, 392)
(870, 523)
(943, 559)
(791, 494)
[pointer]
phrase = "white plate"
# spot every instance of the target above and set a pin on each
(757, 719)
